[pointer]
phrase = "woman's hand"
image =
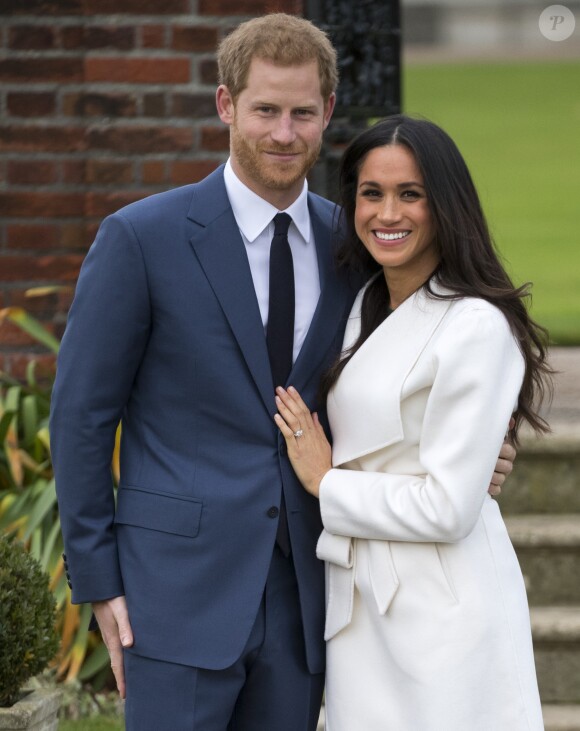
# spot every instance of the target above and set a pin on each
(308, 448)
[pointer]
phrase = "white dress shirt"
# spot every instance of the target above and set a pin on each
(254, 217)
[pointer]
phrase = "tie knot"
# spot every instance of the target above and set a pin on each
(282, 222)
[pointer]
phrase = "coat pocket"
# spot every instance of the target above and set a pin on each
(158, 511)
(446, 570)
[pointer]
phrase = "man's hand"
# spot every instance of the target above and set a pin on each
(504, 465)
(116, 630)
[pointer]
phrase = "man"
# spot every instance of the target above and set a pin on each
(205, 571)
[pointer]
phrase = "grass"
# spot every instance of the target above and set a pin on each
(92, 724)
(518, 126)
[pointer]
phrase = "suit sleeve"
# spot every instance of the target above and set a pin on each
(104, 342)
(478, 371)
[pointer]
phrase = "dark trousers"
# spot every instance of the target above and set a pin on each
(269, 688)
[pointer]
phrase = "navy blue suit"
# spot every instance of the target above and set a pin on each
(165, 334)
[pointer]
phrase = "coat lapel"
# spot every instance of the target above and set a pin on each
(221, 253)
(365, 405)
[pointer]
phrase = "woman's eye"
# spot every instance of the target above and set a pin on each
(370, 193)
(411, 194)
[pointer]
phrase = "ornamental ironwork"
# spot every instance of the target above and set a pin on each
(367, 37)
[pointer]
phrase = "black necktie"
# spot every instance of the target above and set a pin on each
(280, 330)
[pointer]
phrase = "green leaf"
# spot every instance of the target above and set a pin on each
(12, 398)
(97, 660)
(43, 437)
(5, 423)
(15, 510)
(30, 374)
(29, 419)
(48, 552)
(32, 326)
(42, 505)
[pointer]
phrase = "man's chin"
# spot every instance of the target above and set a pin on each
(284, 176)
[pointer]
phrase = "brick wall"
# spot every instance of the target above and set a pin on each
(102, 102)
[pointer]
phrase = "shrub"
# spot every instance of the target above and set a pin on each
(27, 620)
(28, 508)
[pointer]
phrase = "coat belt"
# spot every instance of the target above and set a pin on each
(340, 555)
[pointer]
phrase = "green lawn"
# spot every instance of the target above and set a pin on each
(518, 126)
(92, 724)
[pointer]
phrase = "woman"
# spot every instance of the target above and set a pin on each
(427, 620)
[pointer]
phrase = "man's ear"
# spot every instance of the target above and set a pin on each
(225, 104)
(329, 109)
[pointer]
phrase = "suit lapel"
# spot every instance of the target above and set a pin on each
(220, 250)
(334, 302)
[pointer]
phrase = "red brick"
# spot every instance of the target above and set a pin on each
(45, 204)
(42, 307)
(31, 172)
(16, 365)
(94, 37)
(90, 104)
(33, 37)
(137, 7)
(154, 105)
(190, 171)
(153, 36)
(153, 171)
(216, 139)
(72, 37)
(92, 229)
(40, 268)
(208, 71)
(73, 171)
(141, 139)
(102, 204)
(32, 236)
(66, 294)
(105, 172)
(12, 335)
(41, 69)
(30, 103)
(249, 7)
(193, 105)
(45, 139)
(73, 237)
(194, 38)
(138, 70)
(43, 7)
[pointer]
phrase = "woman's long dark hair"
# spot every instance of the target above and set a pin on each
(469, 265)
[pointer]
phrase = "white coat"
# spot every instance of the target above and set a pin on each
(427, 619)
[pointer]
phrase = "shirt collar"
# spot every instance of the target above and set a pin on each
(253, 213)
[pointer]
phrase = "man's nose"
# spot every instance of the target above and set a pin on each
(284, 132)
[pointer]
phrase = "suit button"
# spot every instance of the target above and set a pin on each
(272, 512)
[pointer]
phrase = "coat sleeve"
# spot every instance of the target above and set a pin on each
(103, 344)
(477, 375)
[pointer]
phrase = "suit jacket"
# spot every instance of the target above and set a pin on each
(165, 334)
(418, 417)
